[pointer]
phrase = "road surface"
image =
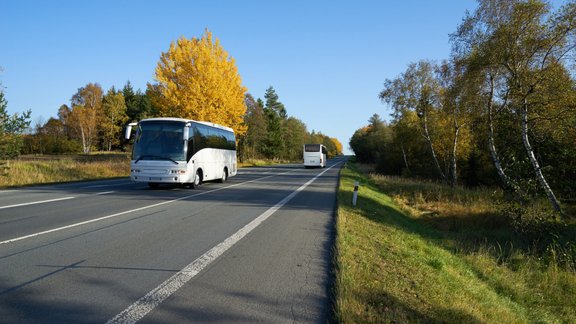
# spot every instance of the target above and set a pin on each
(256, 248)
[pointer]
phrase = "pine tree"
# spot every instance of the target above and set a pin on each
(257, 124)
(11, 128)
(276, 114)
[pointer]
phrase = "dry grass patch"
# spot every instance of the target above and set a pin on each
(52, 169)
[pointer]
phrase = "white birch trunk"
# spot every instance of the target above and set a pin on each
(505, 180)
(84, 144)
(535, 165)
(427, 136)
(405, 158)
(454, 177)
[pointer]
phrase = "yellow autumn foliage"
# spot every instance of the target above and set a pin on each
(197, 79)
(337, 144)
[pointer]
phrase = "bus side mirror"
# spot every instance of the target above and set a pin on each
(186, 133)
(129, 130)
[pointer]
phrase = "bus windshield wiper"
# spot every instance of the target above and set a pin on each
(156, 157)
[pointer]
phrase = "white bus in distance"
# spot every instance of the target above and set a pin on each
(314, 155)
(181, 151)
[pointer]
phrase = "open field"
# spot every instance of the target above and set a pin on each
(28, 170)
(418, 253)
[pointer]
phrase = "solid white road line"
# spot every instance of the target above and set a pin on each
(151, 300)
(36, 202)
(128, 211)
(51, 200)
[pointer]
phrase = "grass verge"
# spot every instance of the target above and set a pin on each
(254, 163)
(397, 265)
(261, 163)
(28, 170)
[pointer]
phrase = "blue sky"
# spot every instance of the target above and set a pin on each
(327, 60)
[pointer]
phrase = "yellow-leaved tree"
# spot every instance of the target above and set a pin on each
(337, 145)
(197, 79)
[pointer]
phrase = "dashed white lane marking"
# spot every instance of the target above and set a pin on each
(103, 193)
(35, 203)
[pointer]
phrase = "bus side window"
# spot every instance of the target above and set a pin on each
(211, 138)
(230, 141)
(199, 138)
(223, 140)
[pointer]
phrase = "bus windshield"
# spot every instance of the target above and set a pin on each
(159, 140)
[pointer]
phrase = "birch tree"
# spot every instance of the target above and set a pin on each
(457, 103)
(418, 90)
(86, 107)
(521, 47)
(113, 118)
(472, 43)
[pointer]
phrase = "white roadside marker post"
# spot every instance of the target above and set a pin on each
(355, 196)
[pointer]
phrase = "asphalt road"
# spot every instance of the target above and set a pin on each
(257, 248)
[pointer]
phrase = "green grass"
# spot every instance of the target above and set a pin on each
(399, 263)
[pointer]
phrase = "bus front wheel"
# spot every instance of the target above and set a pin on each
(224, 175)
(197, 179)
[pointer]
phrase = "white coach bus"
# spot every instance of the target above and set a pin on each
(181, 151)
(314, 155)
